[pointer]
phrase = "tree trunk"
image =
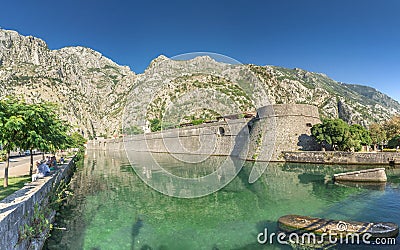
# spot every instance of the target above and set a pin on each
(5, 184)
(42, 155)
(31, 166)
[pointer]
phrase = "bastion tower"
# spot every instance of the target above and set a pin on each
(282, 127)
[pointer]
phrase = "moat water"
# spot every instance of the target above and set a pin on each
(112, 208)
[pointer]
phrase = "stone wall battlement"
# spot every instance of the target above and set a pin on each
(286, 110)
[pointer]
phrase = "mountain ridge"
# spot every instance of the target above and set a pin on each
(93, 91)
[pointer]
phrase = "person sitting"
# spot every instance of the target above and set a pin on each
(37, 174)
(54, 161)
(48, 160)
(62, 160)
(42, 170)
(45, 168)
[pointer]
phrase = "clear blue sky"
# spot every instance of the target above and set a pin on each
(353, 41)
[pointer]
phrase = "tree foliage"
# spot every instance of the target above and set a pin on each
(388, 131)
(331, 132)
(394, 142)
(12, 124)
(392, 127)
(359, 136)
(29, 126)
(77, 140)
(337, 134)
(155, 125)
(378, 133)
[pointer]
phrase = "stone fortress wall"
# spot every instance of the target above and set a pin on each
(277, 128)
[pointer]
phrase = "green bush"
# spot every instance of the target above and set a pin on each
(155, 125)
(197, 121)
(134, 130)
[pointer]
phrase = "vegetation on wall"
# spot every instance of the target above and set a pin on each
(155, 125)
(133, 130)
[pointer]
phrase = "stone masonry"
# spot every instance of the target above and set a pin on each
(277, 128)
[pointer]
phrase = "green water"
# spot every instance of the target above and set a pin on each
(112, 208)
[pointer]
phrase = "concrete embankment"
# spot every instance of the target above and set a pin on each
(17, 211)
(365, 175)
(331, 157)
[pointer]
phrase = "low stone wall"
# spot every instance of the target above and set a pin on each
(17, 209)
(106, 144)
(331, 157)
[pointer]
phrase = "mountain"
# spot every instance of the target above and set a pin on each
(350, 102)
(90, 89)
(93, 91)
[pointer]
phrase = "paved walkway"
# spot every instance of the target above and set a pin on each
(19, 166)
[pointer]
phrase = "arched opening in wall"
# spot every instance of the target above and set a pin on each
(221, 131)
(309, 125)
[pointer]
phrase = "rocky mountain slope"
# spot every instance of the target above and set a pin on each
(350, 102)
(93, 91)
(90, 89)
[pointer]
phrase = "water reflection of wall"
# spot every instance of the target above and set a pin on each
(113, 208)
(280, 178)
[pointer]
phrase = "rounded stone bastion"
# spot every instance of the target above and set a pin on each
(282, 127)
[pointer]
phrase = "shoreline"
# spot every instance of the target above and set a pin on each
(307, 157)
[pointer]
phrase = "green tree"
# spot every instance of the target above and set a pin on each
(12, 124)
(30, 126)
(378, 134)
(45, 130)
(339, 135)
(77, 140)
(394, 142)
(359, 136)
(198, 121)
(392, 127)
(334, 132)
(57, 137)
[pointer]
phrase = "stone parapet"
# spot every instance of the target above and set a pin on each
(17, 209)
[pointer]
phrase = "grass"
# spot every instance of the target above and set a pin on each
(14, 184)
